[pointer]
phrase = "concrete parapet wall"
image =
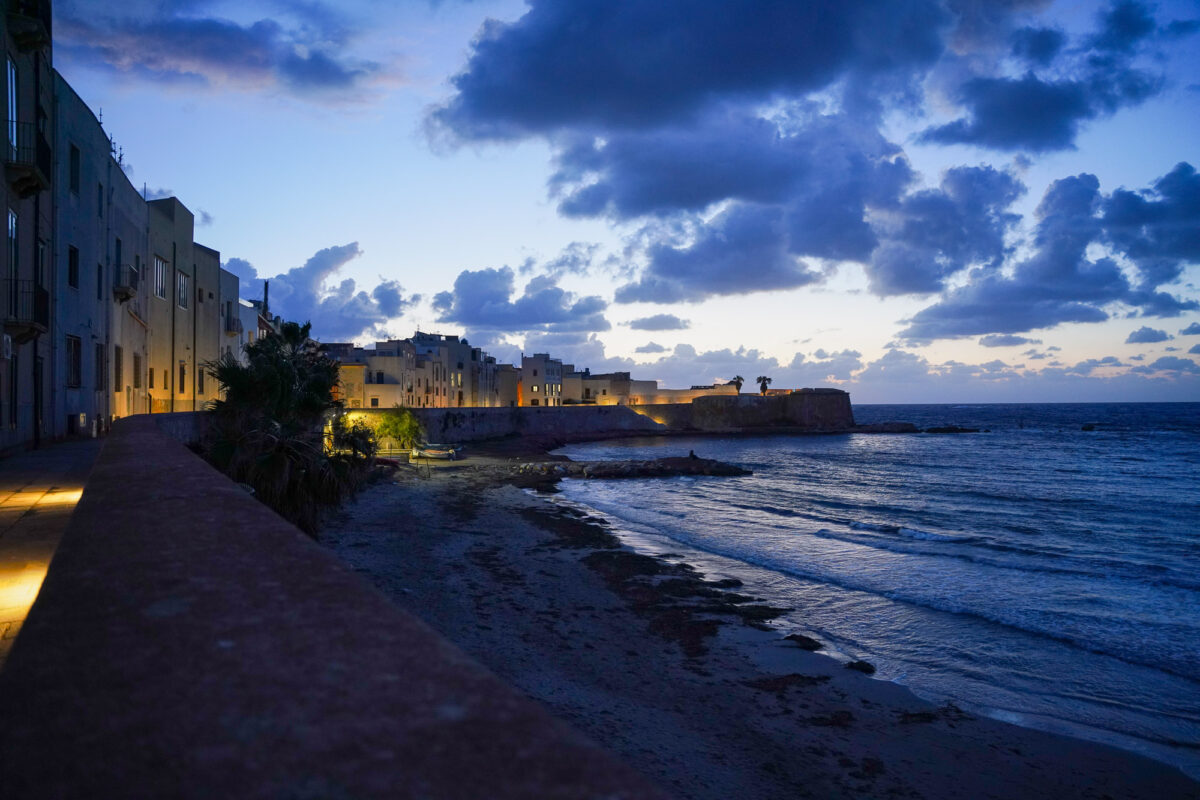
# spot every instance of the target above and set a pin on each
(475, 424)
(189, 643)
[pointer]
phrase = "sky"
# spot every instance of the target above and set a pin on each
(913, 200)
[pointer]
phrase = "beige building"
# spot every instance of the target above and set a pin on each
(184, 320)
(541, 381)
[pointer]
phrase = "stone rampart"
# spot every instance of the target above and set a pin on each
(808, 409)
(475, 424)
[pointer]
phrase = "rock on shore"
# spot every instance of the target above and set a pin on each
(656, 468)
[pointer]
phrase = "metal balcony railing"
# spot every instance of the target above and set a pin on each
(29, 22)
(28, 159)
(233, 326)
(126, 279)
(25, 307)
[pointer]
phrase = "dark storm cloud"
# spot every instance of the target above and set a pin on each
(338, 311)
(1159, 229)
(181, 43)
(744, 250)
(1007, 340)
(824, 170)
(1038, 46)
(589, 63)
(932, 234)
(747, 146)
(1124, 25)
(483, 300)
(1147, 335)
(660, 322)
(1038, 113)
(1058, 283)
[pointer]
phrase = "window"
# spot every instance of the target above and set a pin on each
(117, 253)
(74, 361)
(73, 267)
(200, 382)
(99, 281)
(100, 200)
(151, 376)
(137, 371)
(374, 402)
(533, 402)
(101, 368)
(74, 170)
(13, 108)
(13, 372)
(118, 369)
(182, 288)
(199, 295)
(160, 278)
(379, 376)
(13, 252)
(166, 383)
(182, 377)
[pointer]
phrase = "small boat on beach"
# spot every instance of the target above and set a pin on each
(447, 452)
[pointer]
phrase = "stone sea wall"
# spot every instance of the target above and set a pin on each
(809, 409)
(475, 424)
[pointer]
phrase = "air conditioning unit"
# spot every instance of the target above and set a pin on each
(6, 348)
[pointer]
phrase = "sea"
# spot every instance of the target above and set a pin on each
(1044, 571)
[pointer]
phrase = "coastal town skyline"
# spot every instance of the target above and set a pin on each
(997, 204)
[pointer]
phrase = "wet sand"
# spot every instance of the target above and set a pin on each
(682, 674)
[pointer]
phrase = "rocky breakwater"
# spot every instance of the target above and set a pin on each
(656, 468)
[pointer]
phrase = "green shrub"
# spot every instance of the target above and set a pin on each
(268, 427)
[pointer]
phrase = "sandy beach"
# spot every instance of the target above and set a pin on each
(680, 674)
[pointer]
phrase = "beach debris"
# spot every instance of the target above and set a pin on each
(803, 642)
(865, 667)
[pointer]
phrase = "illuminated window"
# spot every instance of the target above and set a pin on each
(160, 278)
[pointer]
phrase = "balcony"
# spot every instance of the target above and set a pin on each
(125, 282)
(26, 309)
(28, 164)
(29, 22)
(233, 326)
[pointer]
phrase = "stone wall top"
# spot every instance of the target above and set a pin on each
(187, 642)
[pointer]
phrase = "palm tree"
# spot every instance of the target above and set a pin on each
(763, 382)
(268, 427)
(737, 381)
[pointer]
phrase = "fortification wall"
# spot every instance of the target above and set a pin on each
(474, 424)
(812, 409)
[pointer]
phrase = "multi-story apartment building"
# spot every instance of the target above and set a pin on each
(99, 253)
(541, 380)
(183, 310)
(26, 344)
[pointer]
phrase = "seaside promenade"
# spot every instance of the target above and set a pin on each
(38, 491)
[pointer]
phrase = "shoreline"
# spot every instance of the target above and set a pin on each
(553, 602)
